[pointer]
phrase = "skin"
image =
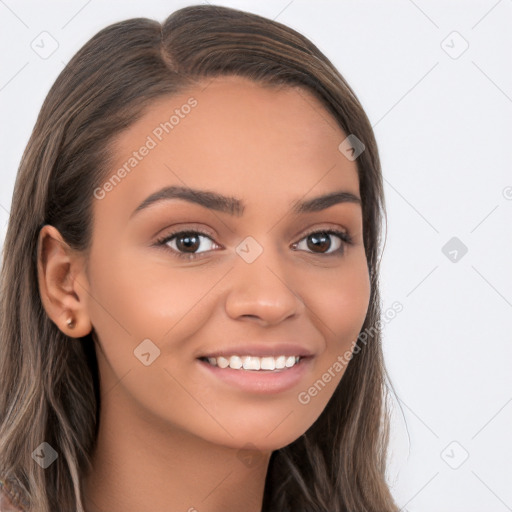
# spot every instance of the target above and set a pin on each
(170, 437)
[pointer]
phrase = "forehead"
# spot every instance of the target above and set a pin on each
(232, 135)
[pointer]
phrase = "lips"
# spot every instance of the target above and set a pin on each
(262, 382)
(260, 350)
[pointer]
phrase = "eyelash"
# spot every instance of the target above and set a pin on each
(345, 238)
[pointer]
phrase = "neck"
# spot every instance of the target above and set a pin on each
(139, 465)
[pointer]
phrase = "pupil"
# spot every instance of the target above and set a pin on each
(319, 240)
(190, 242)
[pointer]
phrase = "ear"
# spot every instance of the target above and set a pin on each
(62, 283)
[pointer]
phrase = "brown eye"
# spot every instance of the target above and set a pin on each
(185, 244)
(320, 242)
(188, 242)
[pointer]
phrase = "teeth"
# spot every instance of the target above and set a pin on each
(235, 362)
(268, 363)
(254, 362)
(251, 363)
(280, 362)
(290, 361)
(222, 362)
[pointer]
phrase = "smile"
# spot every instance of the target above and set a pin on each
(254, 363)
(253, 374)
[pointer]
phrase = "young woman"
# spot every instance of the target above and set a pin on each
(189, 291)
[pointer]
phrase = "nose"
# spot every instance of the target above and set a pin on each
(262, 291)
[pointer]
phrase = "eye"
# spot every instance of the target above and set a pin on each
(320, 240)
(185, 244)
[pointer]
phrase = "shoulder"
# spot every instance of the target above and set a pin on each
(8, 499)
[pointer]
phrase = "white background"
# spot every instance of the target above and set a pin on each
(443, 125)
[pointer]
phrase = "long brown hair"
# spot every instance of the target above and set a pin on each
(49, 382)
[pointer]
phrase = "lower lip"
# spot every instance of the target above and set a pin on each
(261, 381)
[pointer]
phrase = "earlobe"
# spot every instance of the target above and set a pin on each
(57, 268)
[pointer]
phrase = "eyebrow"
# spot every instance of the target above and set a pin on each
(236, 207)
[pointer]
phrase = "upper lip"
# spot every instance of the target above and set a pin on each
(261, 350)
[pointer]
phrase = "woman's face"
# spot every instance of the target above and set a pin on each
(257, 276)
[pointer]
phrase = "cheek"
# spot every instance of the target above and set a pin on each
(340, 302)
(340, 308)
(145, 293)
(136, 297)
